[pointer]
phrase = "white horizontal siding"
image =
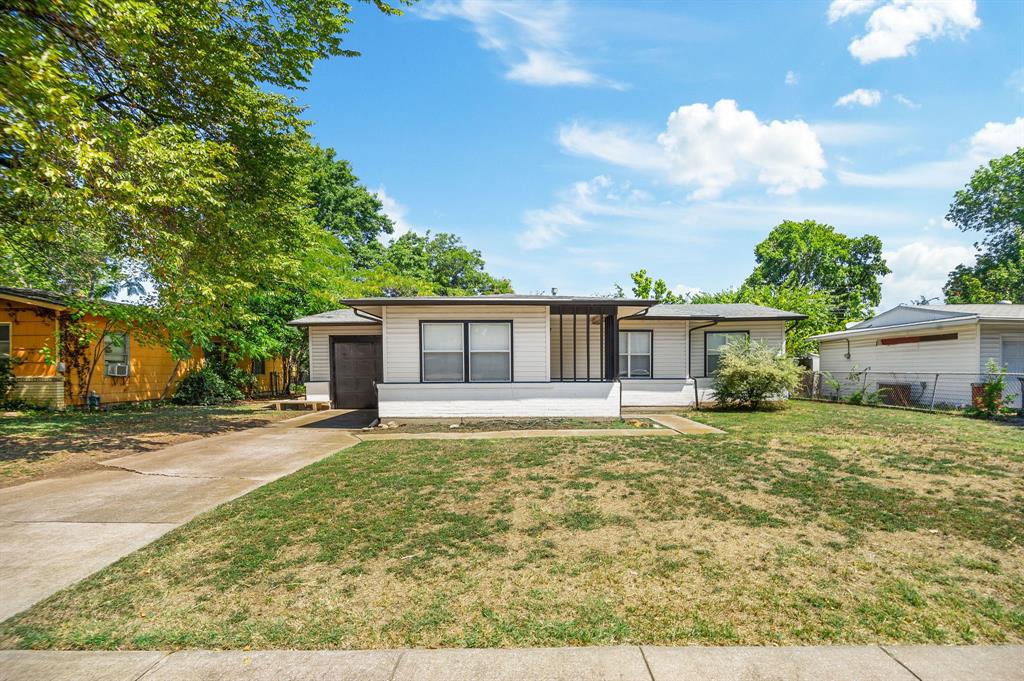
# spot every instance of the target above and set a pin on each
(320, 346)
(402, 337)
(426, 400)
(772, 332)
(992, 334)
(670, 346)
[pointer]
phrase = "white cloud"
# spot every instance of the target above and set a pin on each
(841, 134)
(396, 211)
(895, 28)
(906, 101)
(860, 97)
(844, 8)
(1016, 81)
(920, 268)
(993, 140)
(711, 149)
(532, 38)
(687, 291)
(792, 78)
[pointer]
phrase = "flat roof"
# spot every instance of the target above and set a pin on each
(500, 299)
(334, 318)
(740, 312)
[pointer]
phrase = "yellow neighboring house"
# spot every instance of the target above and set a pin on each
(122, 366)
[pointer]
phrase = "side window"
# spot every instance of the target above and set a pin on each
(1013, 355)
(635, 354)
(115, 354)
(259, 367)
(715, 342)
(5, 341)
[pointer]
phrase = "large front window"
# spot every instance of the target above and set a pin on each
(635, 354)
(715, 342)
(456, 352)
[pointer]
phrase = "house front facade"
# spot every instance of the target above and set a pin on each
(512, 355)
(928, 355)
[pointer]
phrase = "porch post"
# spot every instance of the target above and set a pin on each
(611, 340)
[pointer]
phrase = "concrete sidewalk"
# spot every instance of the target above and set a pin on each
(623, 663)
(56, 531)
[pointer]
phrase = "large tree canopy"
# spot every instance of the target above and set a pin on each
(992, 203)
(816, 256)
(141, 142)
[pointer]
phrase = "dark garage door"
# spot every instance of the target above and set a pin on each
(356, 363)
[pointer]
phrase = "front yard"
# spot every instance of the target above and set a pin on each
(818, 524)
(41, 444)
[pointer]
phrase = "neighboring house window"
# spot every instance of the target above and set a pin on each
(490, 351)
(635, 354)
(1013, 355)
(443, 357)
(115, 354)
(5, 340)
(259, 367)
(714, 343)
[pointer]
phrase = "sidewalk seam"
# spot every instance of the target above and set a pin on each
(900, 662)
(394, 670)
(151, 667)
(643, 656)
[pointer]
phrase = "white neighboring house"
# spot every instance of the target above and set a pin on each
(520, 355)
(930, 354)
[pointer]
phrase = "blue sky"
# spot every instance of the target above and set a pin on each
(576, 142)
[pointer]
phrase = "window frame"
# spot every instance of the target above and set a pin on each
(466, 352)
(262, 366)
(1003, 338)
(629, 355)
(741, 332)
(10, 340)
(127, 353)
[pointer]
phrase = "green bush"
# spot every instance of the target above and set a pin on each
(750, 373)
(204, 387)
(7, 381)
(992, 398)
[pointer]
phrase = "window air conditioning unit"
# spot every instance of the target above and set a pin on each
(117, 370)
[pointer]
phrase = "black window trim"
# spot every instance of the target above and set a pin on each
(263, 366)
(466, 351)
(650, 332)
(740, 332)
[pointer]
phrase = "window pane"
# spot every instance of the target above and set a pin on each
(623, 365)
(489, 366)
(442, 337)
(5, 340)
(640, 366)
(713, 363)
(623, 341)
(115, 348)
(490, 337)
(639, 342)
(1013, 356)
(717, 341)
(442, 366)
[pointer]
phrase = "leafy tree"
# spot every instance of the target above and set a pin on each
(992, 203)
(645, 286)
(816, 256)
(142, 140)
(441, 264)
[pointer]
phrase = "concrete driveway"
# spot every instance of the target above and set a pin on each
(55, 532)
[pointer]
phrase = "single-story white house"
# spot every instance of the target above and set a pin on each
(928, 355)
(522, 355)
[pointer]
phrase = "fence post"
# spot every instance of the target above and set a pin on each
(935, 389)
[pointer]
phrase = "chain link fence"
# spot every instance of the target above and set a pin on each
(916, 390)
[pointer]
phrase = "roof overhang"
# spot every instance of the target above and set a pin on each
(897, 328)
(29, 300)
(720, 318)
(620, 307)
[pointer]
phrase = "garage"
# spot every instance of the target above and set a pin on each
(356, 368)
